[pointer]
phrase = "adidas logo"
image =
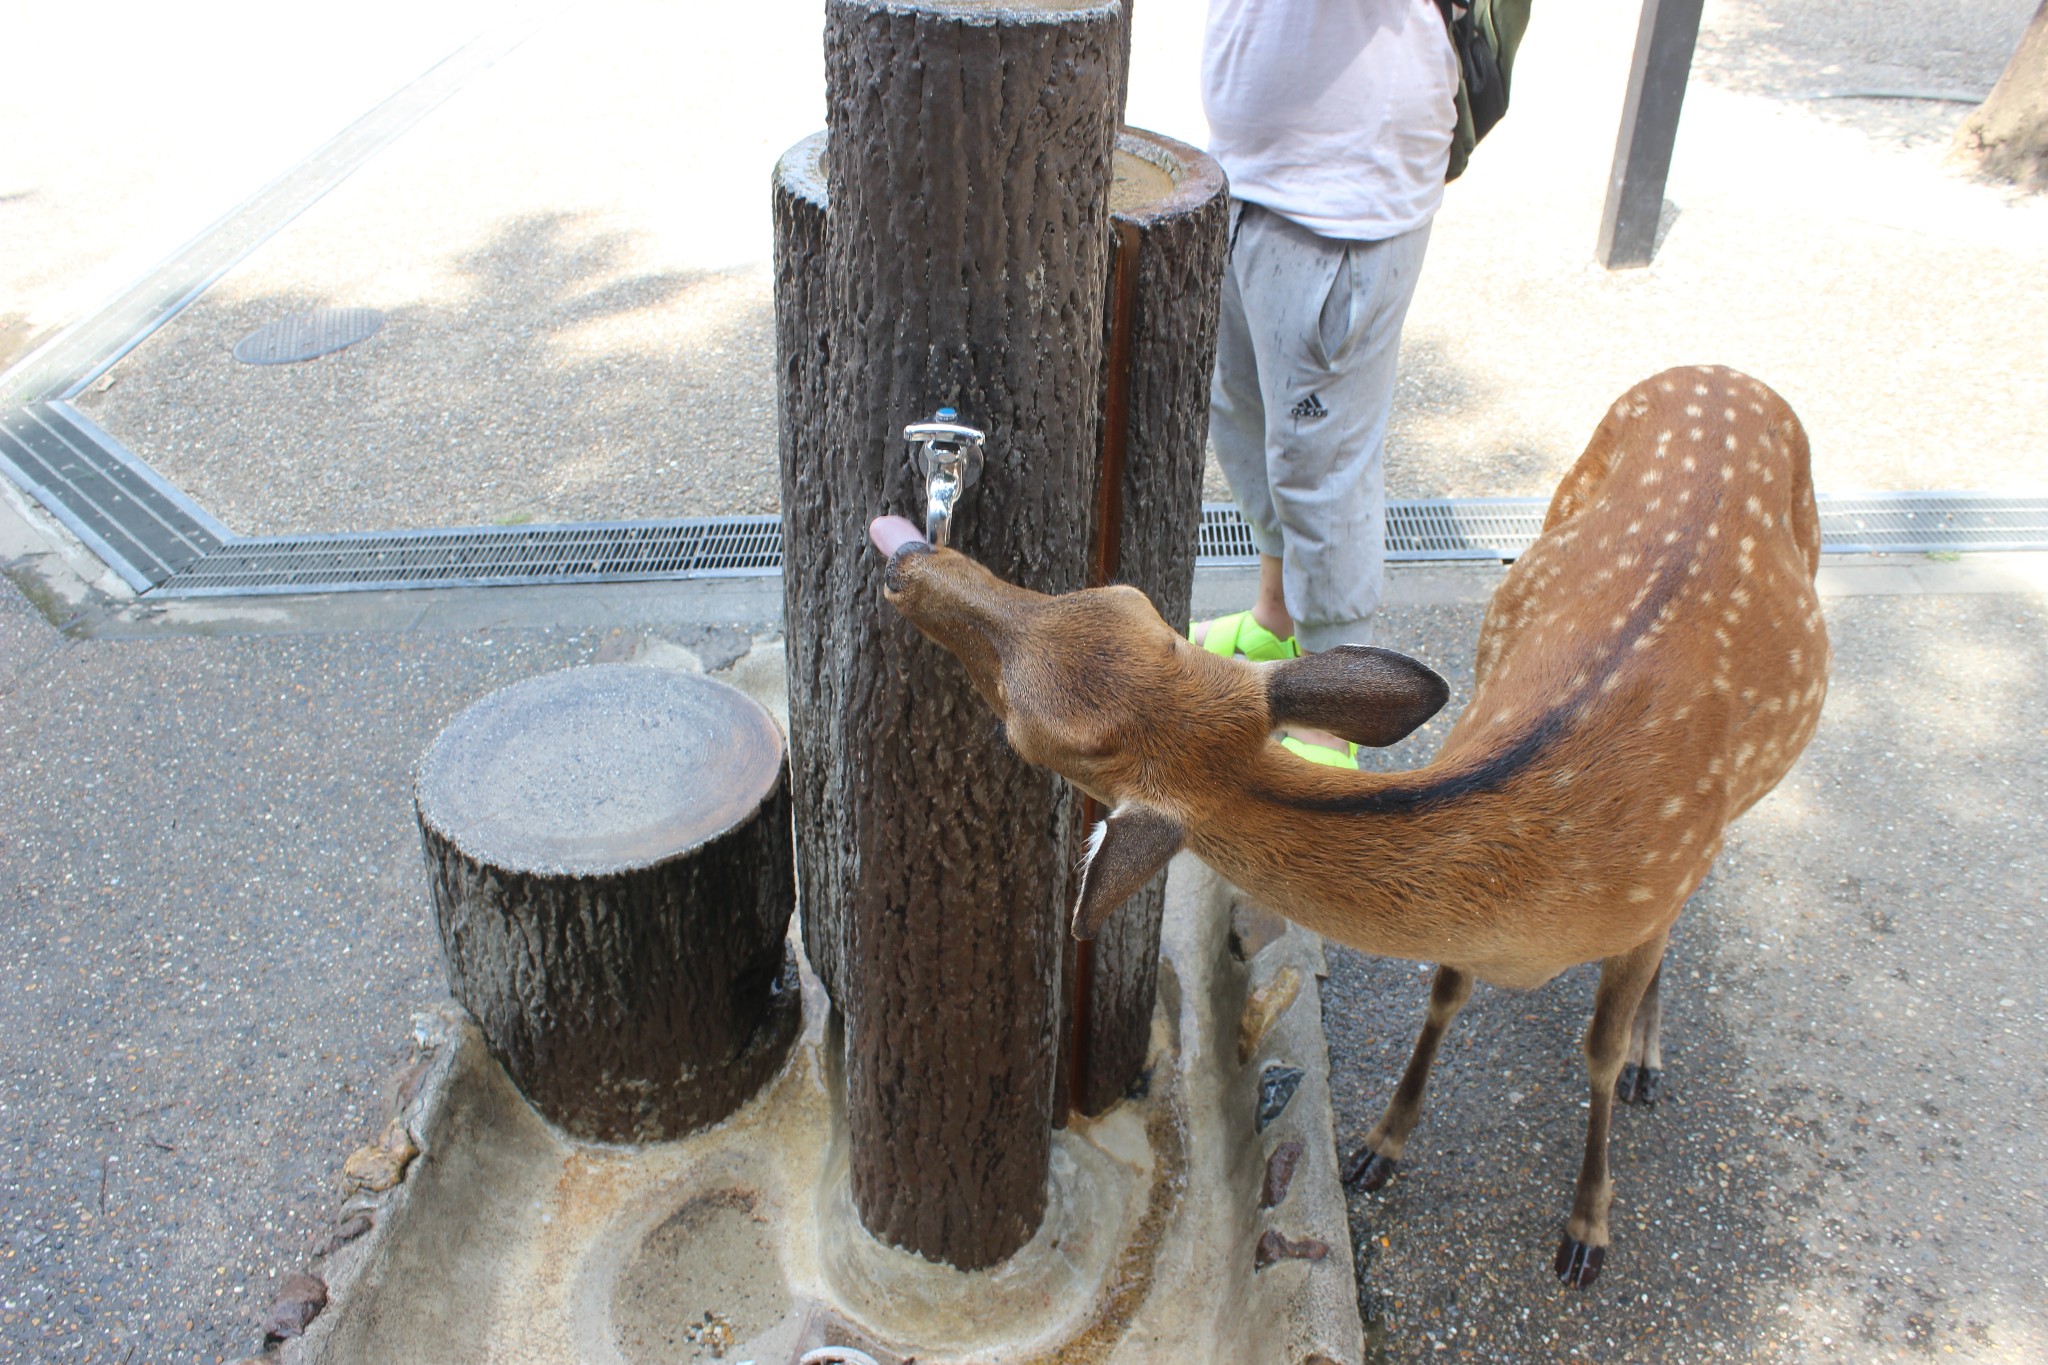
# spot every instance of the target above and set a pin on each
(1308, 409)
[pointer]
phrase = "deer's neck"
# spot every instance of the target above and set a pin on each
(1468, 860)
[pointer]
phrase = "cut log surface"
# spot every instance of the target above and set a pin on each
(609, 850)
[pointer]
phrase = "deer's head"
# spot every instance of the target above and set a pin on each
(1095, 686)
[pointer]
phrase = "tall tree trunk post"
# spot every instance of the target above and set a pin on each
(1172, 219)
(965, 246)
(2006, 137)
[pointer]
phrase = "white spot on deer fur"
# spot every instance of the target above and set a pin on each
(1757, 408)
(1729, 441)
(1697, 432)
(1727, 473)
(1668, 387)
(1651, 478)
(1728, 414)
(1639, 894)
(1700, 389)
(1610, 682)
(1673, 806)
(1692, 409)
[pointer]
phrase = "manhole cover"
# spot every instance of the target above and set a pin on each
(302, 336)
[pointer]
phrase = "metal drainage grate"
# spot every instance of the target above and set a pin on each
(1924, 523)
(1417, 529)
(487, 557)
(305, 336)
(1422, 529)
(143, 528)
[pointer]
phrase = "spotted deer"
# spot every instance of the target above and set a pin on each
(1646, 672)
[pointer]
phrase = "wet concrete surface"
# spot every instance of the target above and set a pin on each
(1845, 1164)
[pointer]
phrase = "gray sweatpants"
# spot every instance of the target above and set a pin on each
(1305, 354)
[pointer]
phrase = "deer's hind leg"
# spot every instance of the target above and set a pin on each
(1372, 1165)
(1642, 1075)
(1625, 980)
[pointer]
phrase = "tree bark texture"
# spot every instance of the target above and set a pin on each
(2006, 137)
(610, 861)
(819, 753)
(968, 161)
(1172, 220)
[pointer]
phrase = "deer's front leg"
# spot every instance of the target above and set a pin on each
(1624, 980)
(1372, 1165)
(1642, 1075)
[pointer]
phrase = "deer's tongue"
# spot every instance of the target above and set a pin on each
(891, 534)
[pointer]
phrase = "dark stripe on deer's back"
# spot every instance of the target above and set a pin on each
(1495, 770)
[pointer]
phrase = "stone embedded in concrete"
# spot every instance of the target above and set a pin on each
(1277, 1084)
(1263, 1009)
(1280, 1168)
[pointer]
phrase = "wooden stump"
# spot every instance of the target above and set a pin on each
(609, 850)
(1172, 221)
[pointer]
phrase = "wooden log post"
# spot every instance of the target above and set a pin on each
(609, 852)
(820, 756)
(1172, 221)
(966, 238)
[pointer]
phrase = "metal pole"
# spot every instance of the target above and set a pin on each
(1649, 127)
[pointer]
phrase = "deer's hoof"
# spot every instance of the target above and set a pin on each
(1368, 1170)
(1578, 1265)
(1639, 1084)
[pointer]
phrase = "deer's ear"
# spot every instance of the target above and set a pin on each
(1124, 852)
(1369, 696)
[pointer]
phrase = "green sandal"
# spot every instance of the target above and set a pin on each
(1347, 757)
(1238, 633)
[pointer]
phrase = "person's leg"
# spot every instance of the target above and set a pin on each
(1324, 318)
(1237, 429)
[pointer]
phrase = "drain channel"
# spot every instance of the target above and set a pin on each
(1417, 530)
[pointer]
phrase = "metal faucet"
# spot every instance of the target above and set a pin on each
(948, 454)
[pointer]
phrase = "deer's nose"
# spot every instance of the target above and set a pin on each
(891, 534)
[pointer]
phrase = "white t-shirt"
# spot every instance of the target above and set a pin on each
(1337, 114)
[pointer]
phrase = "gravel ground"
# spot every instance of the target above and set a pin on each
(130, 128)
(571, 254)
(573, 334)
(217, 929)
(1847, 1163)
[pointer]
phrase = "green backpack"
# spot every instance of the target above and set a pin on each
(1485, 34)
